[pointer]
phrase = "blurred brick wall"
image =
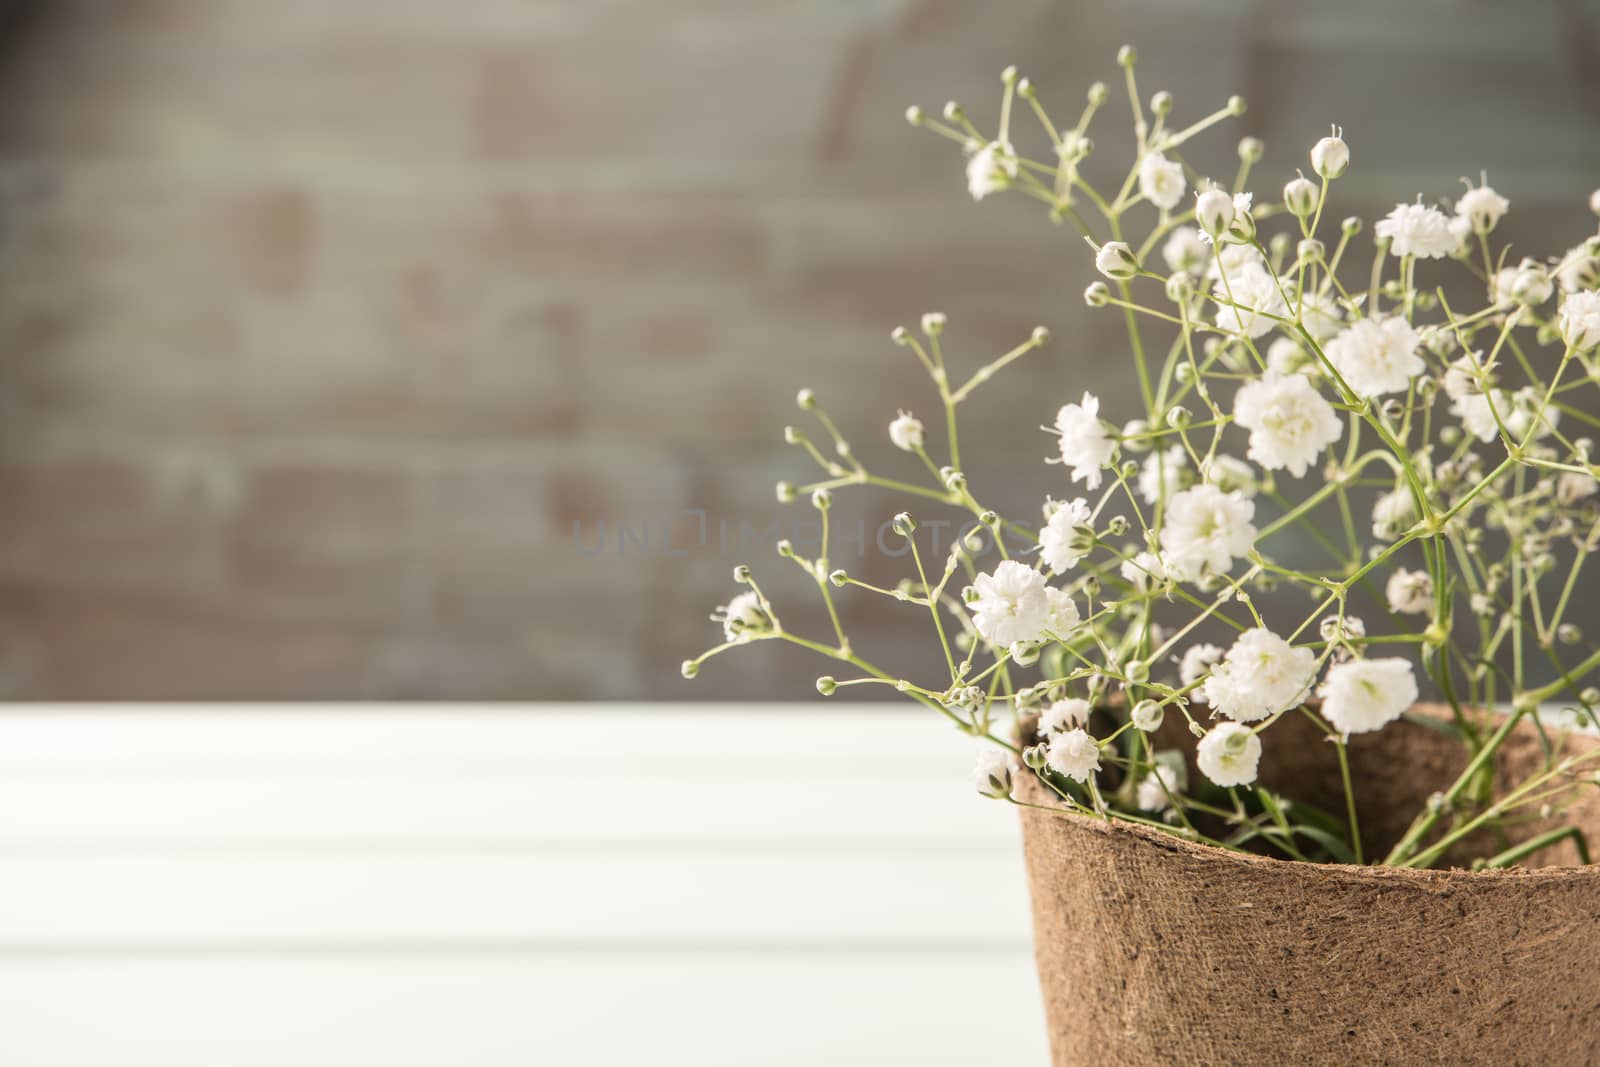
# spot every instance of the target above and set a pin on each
(321, 324)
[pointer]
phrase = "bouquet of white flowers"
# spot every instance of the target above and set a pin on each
(1292, 383)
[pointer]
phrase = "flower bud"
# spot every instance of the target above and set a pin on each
(1594, 201)
(953, 479)
(903, 524)
(1098, 93)
(1568, 633)
(1137, 672)
(785, 548)
(1330, 157)
(933, 323)
(786, 492)
(792, 436)
(1116, 261)
(838, 578)
(1180, 286)
(1590, 696)
(1097, 295)
(1350, 226)
(1147, 716)
(1310, 250)
(827, 685)
(953, 111)
(1300, 197)
(741, 574)
(1039, 335)
(1213, 209)
(822, 499)
(806, 399)
(900, 335)
(1117, 526)
(1236, 106)
(1126, 56)
(914, 115)
(1179, 417)
(689, 669)
(1161, 103)
(1196, 729)
(1024, 653)
(1033, 757)
(1009, 75)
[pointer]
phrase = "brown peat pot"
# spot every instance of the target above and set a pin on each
(1154, 950)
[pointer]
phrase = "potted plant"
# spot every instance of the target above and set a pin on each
(1247, 840)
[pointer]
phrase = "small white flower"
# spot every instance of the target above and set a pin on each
(1482, 207)
(1163, 473)
(991, 169)
(906, 432)
(1367, 694)
(1330, 157)
(1416, 230)
(1196, 661)
(1116, 261)
(1213, 210)
(1290, 423)
(1184, 251)
(1147, 716)
(1161, 181)
(1167, 779)
(1572, 487)
(1011, 605)
(1531, 284)
(1061, 545)
(1410, 592)
(995, 772)
(1477, 412)
(1261, 675)
(1229, 754)
(1074, 754)
(1393, 514)
(1376, 356)
(742, 617)
(1230, 474)
(1085, 445)
(1143, 571)
(1061, 614)
(1300, 197)
(1205, 531)
(1247, 300)
(1579, 269)
(1063, 715)
(1580, 320)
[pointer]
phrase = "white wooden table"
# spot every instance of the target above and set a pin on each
(472, 885)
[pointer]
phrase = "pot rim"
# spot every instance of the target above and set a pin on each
(1421, 878)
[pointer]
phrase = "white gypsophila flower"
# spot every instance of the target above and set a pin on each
(1061, 616)
(1011, 605)
(1320, 315)
(1367, 694)
(1196, 661)
(1579, 269)
(1530, 414)
(1376, 356)
(1286, 356)
(1460, 229)
(1290, 423)
(1234, 259)
(1482, 207)
(1213, 210)
(1580, 320)
(1393, 514)
(1230, 474)
(1161, 181)
(1085, 445)
(1065, 715)
(1572, 487)
(1165, 780)
(1410, 592)
(742, 617)
(1143, 571)
(1205, 531)
(1163, 473)
(991, 169)
(1416, 230)
(1247, 302)
(1061, 546)
(1115, 259)
(1330, 156)
(1531, 284)
(1184, 251)
(1261, 675)
(1074, 754)
(1229, 754)
(906, 432)
(1477, 412)
(994, 773)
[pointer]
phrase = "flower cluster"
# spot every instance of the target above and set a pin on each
(1134, 646)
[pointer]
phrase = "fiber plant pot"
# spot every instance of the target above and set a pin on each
(1153, 950)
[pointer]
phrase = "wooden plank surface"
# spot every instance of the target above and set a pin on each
(484, 885)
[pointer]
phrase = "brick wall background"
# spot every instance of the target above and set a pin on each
(322, 324)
